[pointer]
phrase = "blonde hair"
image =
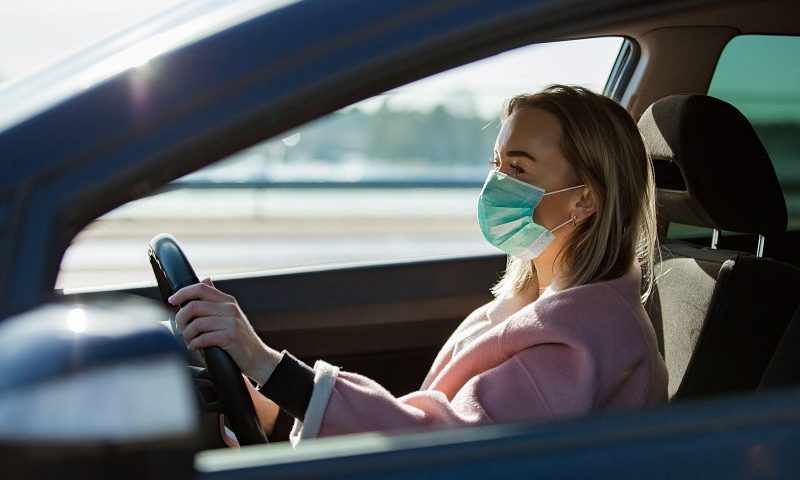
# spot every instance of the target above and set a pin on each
(603, 146)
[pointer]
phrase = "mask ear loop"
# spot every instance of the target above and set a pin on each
(571, 220)
(565, 189)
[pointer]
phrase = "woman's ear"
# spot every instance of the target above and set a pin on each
(585, 207)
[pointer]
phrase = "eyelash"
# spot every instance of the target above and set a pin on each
(496, 162)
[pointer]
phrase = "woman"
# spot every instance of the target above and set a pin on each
(571, 201)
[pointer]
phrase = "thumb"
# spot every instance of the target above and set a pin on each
(208, 281)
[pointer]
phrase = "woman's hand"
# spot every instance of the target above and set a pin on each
(213, 319)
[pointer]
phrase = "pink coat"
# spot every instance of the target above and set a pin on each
(584, 349)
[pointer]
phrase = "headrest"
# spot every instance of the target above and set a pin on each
(711, 169)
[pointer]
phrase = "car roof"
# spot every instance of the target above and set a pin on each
(191, 21)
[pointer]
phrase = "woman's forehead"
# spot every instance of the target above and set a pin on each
(531, 128)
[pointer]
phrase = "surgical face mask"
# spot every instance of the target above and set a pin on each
(505, 215)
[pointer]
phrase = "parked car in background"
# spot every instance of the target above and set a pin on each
(322, 161)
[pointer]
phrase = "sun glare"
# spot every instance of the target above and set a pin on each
(76, 320)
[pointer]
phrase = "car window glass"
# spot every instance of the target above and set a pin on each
(760, 75)
(393, 177)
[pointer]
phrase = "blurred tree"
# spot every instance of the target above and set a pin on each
(437, 137)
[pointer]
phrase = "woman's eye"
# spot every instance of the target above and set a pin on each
(496, 163)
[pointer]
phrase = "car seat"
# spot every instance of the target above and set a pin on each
(784, 367)
(718, 314)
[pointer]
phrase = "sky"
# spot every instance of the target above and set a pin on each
(524, 70)
(34, 33)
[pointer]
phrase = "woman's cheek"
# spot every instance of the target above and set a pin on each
(543, 214)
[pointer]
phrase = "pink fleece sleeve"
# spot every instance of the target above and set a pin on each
(541, 382)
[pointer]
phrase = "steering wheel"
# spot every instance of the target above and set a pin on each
(173, 272)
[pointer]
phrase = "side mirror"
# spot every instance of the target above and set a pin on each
(90, 389)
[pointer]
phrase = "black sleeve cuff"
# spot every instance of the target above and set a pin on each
(282, 430)
(290, 385)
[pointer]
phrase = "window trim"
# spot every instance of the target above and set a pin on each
(622, 71)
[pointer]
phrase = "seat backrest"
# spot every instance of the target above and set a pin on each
(719, 315)
(784, 367)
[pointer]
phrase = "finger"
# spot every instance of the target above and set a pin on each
(202, 325)
(209, 339)
(200, 308)
(208, 282)
(185, 294)
(198, 291)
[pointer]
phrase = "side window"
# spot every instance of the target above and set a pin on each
(393, 177)
(760, 75)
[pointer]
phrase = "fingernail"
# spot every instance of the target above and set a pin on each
(171, 299)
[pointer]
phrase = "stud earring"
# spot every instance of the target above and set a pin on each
(573, 221)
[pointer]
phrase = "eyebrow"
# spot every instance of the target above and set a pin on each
(519, 153)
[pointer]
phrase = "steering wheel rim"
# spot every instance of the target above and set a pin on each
(173, 272)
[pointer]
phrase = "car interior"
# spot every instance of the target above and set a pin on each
(726, 303)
